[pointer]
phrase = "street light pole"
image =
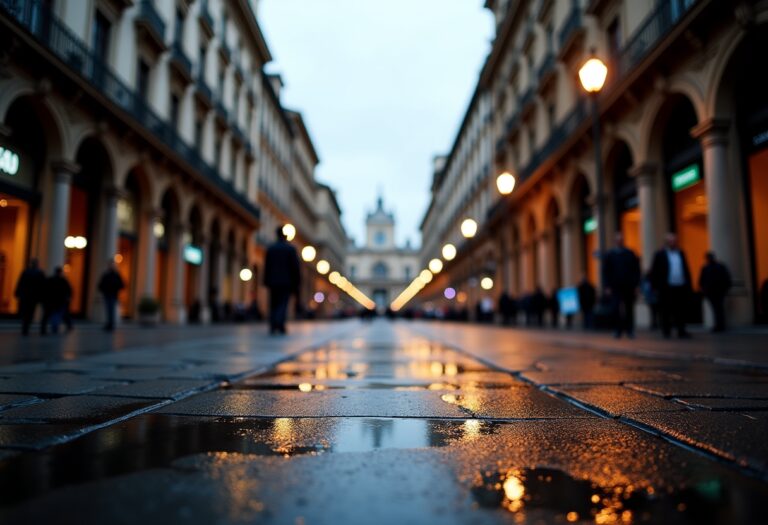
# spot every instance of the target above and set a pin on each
(598, 178)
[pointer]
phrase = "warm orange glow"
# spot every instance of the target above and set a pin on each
(505, 183)
(449, 252)
(323, 267)
(435, 266)
(289, 230)
(592, 75)
(469, 228)
(308, 253)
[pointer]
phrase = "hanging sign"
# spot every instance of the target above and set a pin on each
(193, 255)
(590, 225)
(9, 161)
(686, 177)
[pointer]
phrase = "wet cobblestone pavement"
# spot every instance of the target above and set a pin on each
(383, 423)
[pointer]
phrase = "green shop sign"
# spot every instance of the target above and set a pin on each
(9, 162)
(590, 225)
(686, 178)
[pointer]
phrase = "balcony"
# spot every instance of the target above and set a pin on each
(221, 112)
(547, 70)
(180, 63)
(525, 101)
(226, 54)
(572, 32)
(150, 25)
(205, 19)
(203, 92)
(513, 124)
(127, 105)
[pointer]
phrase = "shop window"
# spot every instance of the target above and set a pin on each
(126, 216)
(14, 234)
(758, 178)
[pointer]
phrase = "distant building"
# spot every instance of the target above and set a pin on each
(380, 268)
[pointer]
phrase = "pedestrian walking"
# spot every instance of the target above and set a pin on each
(29, 291)
(671, 278)
(539, 305)
(507, 309)
(621, 278)
(282, 277)
(714, 282)
(110, 285)
(554, 308)
(58, 293)
(587, 297)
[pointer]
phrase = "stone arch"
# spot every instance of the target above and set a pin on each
(53, 122)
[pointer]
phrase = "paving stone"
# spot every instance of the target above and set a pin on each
(213, 371)
(726, 404)
(51, 384)
(35, 436)
(132, 373)
(523, 402)
(594, 375)
(616, 400)
(705, 389)
(12, 400)
(86, 409)
(733, 436)
(357, 403)
(158, 388)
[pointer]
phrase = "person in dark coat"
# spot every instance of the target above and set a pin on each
(539, 304)
(58, 293)
(587, 298)
(110, 285)
(621, 278)
(715, 281)
(671, 278)
(282, 276)
(29, 292)
(508, 309)
(554, 308)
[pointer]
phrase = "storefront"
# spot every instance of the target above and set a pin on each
(626, 202)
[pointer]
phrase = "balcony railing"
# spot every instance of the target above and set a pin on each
(180, 61)
(148, 17)
(36, 18)
(572, 23)
(221, 110)
(526, 98)
(206, 20)
(546, 67)
(658, 23)
(203, 88)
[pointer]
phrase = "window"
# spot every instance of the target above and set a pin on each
(380, 270)
(142, 79)
(175, 111)
(221, 84)
(380, 238)
(353, 271)
(551, 116)
(179, 27)
(532, 138)
(201, 61)
(199, 132)
(217, 153)
(100, 36)
(407, 273)
(550, 37)
(614, 39)
(232, 163)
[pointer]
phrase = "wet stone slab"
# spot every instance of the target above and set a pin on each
(35, 436)
(574, 374)
(52, 384)
(725, 404)
(705, 389)
(182, 470)
(12, 400)
(85, 409)
(519, 402)
(615, 400)
(159, 388)
(132, 373)
(358, 403)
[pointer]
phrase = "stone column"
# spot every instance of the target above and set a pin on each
(59, 218)
(646, 176)
(109, 239)
(237, 293)
(150, 256)
(726, 237)
(544, 260)
(203, 283)
(177, 309)
(569, 265)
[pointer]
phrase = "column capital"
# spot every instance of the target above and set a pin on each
(63, 170)
(712, 131)
(644, 173)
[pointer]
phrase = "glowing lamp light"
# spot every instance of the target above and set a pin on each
(449, 252)
(334, 277)
(469, 228)
(435, 266)
(319, 297)
(246, 275)
(323, 267)
(486, 283)
(289, 230)
(449, 293)
(308, 253)
(426, 276)
(118, 258)
(75, 242)
(505, 183)
(159, 230)
(592, 75)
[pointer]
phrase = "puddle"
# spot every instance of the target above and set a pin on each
(154, 441)
(533, 494)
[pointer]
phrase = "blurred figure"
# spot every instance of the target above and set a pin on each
(539, 303)
(110, 285)
(486, 310)
(58, 293)
(587, 298)
(671, 278)
(715, 281)
(621, 277)
(29, 292)
(554, 308)
(282, 276)
(507, 309)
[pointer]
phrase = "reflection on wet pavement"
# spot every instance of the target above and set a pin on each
(511, 453)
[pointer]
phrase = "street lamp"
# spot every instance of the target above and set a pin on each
(323, 267)
(308, 253)
(435, 266)
(592, 76)
(246, 275)
(505, 183)
(289, 230)
(486, 283)
(468, 228)
(449, 252)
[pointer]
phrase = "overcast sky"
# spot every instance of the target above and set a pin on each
(383, 86)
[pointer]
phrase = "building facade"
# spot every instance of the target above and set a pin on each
(147, 134)
(380, 268)
(683, 146)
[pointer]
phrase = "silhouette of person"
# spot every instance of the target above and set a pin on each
(621, 278)
(282, 277)
(671, 278)
(58, 293)
(29, 292)
(587, 298)
(715, 281)
(110, 285)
